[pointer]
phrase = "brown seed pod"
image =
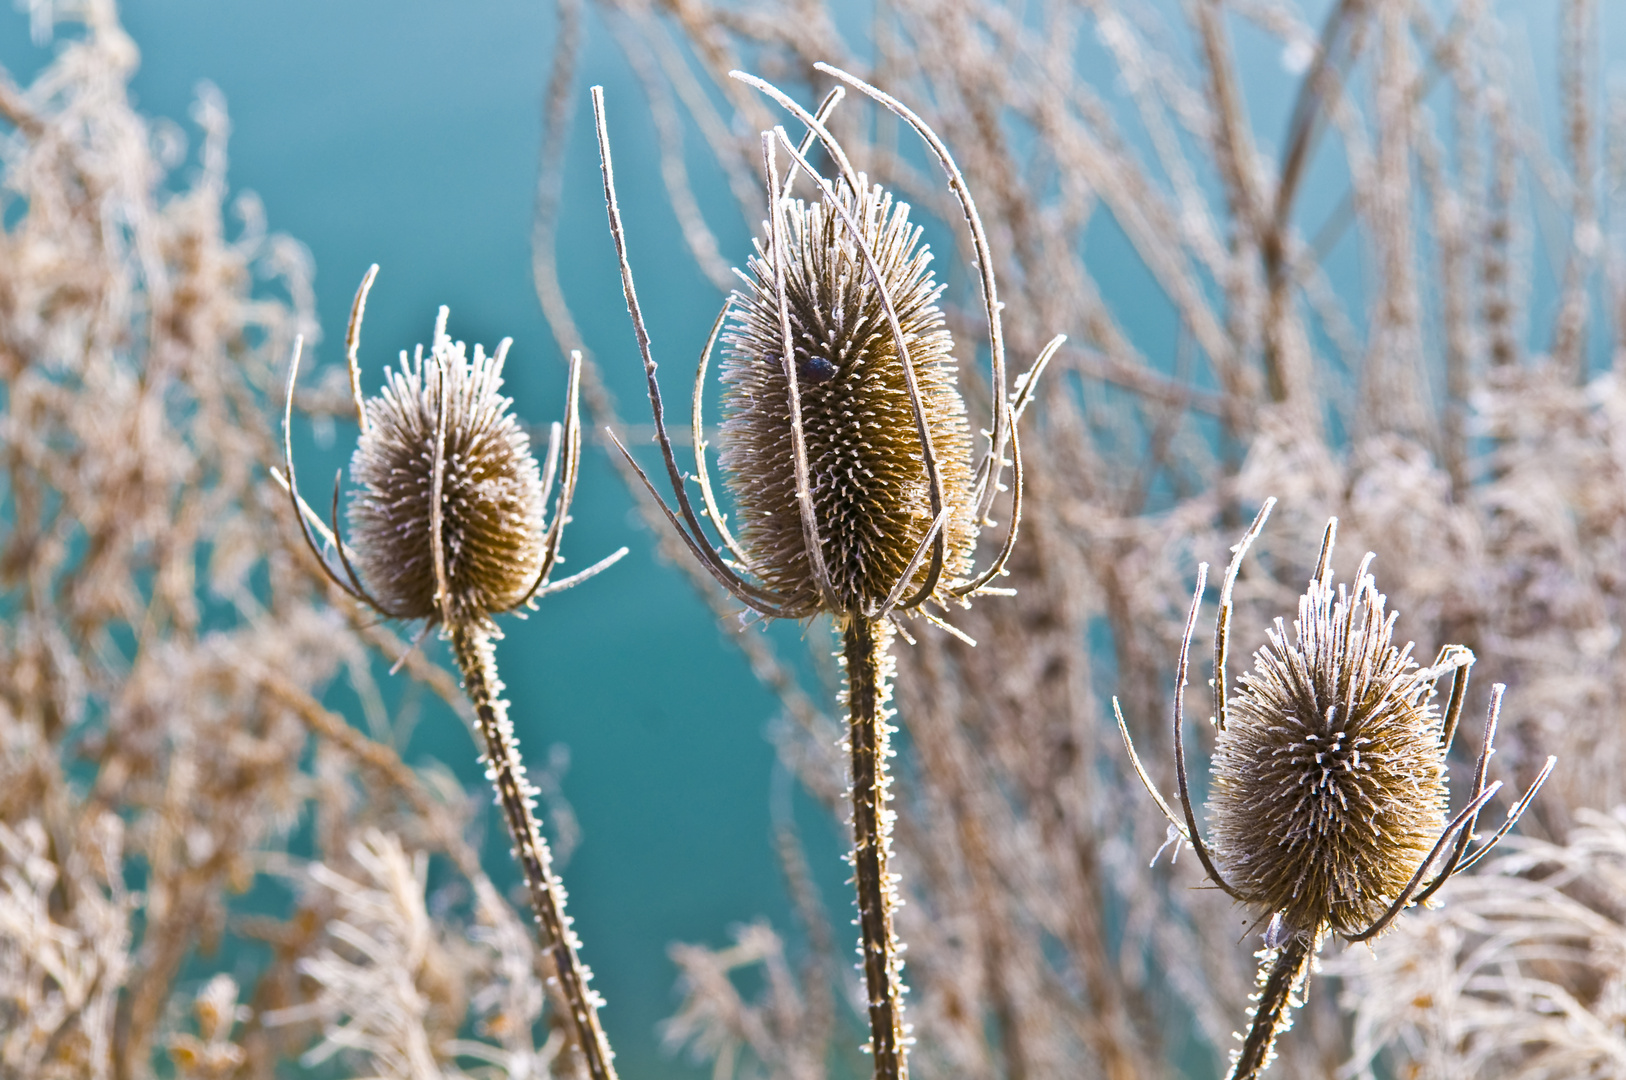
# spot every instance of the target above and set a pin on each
(1329, 775)
(871, 494)
(1329, 796)
(491, 505)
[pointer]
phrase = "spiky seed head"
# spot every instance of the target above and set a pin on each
(1329, 775)
(491, 489)
(866, 466)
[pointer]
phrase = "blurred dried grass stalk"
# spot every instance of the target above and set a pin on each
(1380, 356)
(166, 642)
(1522, 975)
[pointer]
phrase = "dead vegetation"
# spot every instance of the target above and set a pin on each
(1356, 325)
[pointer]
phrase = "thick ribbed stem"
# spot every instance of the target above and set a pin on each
(472, 648)
(1273, 1015)
(868, 667)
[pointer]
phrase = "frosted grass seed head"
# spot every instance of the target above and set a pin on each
(1329, 800)
(846, 447)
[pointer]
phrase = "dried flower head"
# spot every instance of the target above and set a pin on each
(1329, 802)
(449, 516)
(846, 446)
(1329, 773)
(871, 495)
(490, 500)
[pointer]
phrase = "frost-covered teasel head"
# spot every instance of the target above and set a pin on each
(870, 492)
(448, 527)
(845, 443)
(847, 452)
(490, 508)
(1329, 798)
(449, 518)
(1329, 773)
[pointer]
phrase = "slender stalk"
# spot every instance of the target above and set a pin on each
(472, 648)
(865, 643)
(1271, 1016)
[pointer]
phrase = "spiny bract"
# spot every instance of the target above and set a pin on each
(866, 465)
(492, 505)
(1329, 773)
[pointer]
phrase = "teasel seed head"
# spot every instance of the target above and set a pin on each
(1328, 806)
(447, 524)
(871, 493)
(448, 517)
(492, 504)
(845, 443)
(1329, 775)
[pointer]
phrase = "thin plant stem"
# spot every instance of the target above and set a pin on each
(1288, 968)
(477, 660)
(864, 648)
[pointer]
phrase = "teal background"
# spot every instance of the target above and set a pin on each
(408, 135)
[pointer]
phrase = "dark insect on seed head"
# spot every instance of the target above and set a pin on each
(816, 369)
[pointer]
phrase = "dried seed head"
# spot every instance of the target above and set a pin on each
(492, 500)
(871, 495)
(1329, 772)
